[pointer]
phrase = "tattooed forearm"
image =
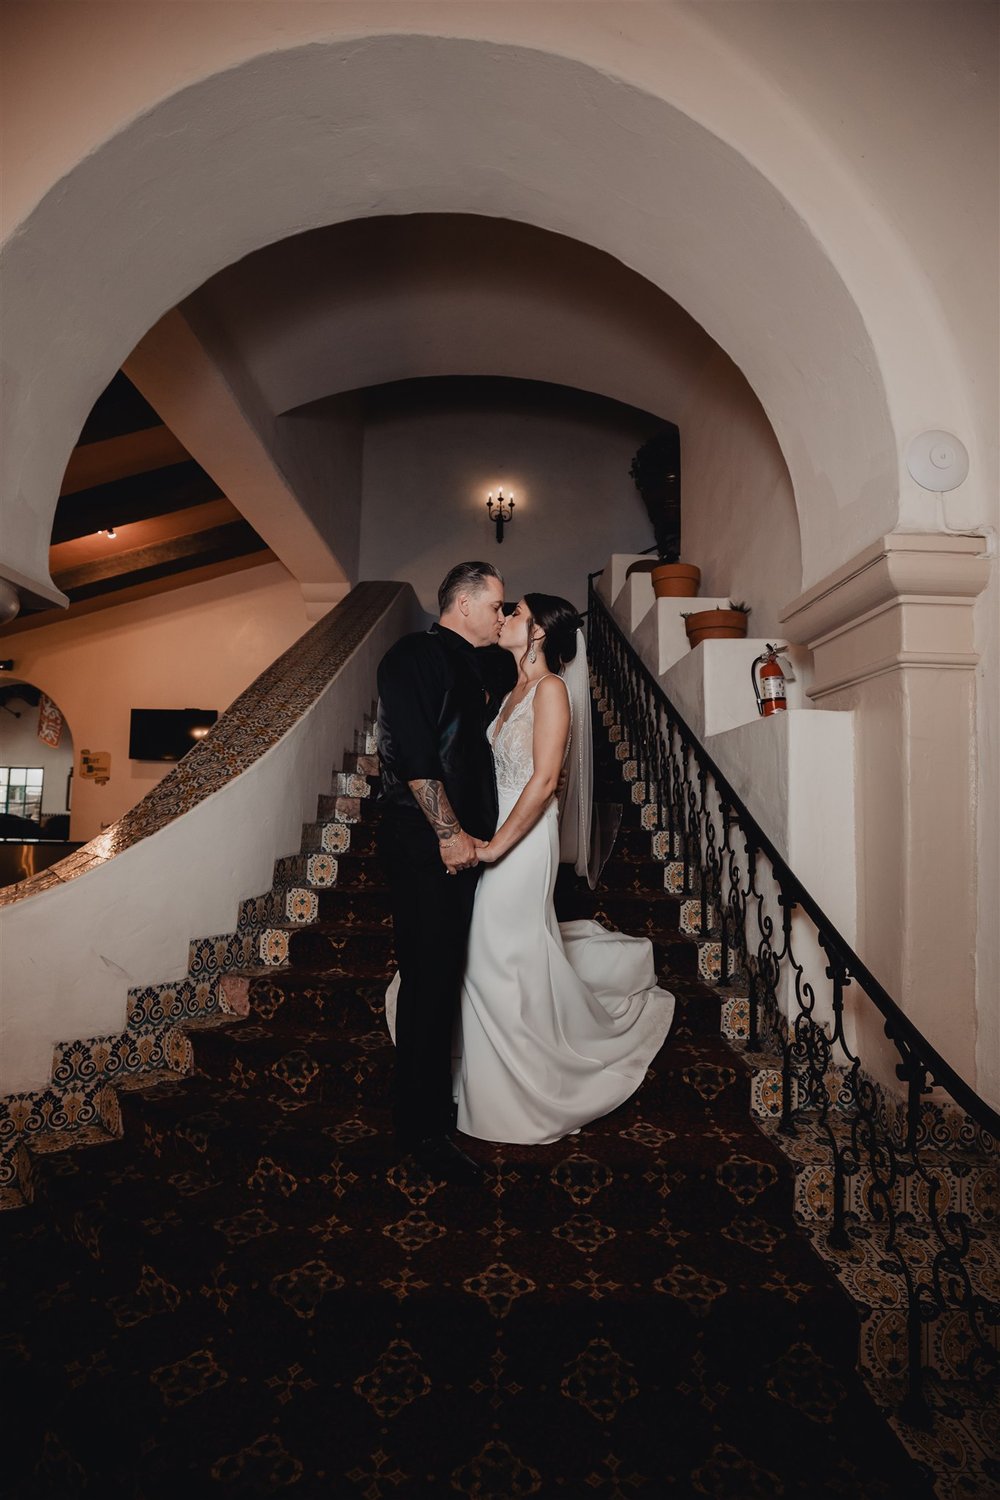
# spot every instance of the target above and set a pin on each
(436, 808)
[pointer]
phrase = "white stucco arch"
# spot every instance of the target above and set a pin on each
(311, 135)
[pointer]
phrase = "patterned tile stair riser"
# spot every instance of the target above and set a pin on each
(627, 1311)
(76, 1107)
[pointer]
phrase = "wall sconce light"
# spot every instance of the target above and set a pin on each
(109, 532)
(500, 511)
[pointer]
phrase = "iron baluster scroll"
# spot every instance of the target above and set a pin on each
(804, 985)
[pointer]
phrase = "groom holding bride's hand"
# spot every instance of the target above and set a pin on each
(439, 805)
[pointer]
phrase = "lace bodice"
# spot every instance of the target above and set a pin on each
(512, 745)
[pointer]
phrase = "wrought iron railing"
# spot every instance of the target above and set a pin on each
(779, 949)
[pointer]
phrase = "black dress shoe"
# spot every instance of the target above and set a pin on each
(439, 1157)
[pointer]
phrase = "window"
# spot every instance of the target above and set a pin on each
(21, 791)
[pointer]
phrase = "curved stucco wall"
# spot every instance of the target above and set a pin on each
(379, 300)
(816, 184)
(71, 950)
(395, 124)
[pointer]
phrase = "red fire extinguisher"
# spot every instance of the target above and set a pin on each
(771, 690)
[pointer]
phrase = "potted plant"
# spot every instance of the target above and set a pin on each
(717, 624)
(656, 470)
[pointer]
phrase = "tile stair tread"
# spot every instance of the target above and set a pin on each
(362, 1022)
(328, 927)
(760, 1317)
(197, 1097)
(754, 1305)
(361, 971)
(348, 864)
(790, 1254)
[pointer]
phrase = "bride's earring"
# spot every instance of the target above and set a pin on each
(532, 654)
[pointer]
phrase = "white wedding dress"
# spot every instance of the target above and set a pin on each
(559, 1022)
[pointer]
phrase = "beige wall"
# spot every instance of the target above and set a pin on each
(430, 458)
(816, 183)
(196, 647)
(428, 467)
(740, 522)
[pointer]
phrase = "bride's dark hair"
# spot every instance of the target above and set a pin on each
(560, 622)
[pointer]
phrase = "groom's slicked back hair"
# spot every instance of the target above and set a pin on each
(465, 578)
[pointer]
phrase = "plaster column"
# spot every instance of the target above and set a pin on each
(892, 637)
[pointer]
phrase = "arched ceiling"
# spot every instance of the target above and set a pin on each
(347, 129)
(385, 299)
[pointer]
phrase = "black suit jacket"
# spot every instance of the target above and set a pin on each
(432, 716)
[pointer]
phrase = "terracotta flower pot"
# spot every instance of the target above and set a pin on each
(676, 581)
(715, 625)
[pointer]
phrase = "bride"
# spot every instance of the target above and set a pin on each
(559, 1022)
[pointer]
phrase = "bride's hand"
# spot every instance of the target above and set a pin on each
(485, 854)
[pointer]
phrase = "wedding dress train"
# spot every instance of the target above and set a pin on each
(559, 1021)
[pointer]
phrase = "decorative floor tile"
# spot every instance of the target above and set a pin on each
(274, 948)
(336, 838)
(300, 905)
(148, 1005)
(348, 784)
(211, 956)
(735, 1019)
(690, 917)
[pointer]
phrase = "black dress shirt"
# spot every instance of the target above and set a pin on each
(432, 716)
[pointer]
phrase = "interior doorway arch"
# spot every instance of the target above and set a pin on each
(36, 774)
(311, 136)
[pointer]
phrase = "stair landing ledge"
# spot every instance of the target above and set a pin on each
(612, 580)
(711, 686)
(661, 639)
(795, 772)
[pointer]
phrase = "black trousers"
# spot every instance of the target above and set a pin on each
(431, 913)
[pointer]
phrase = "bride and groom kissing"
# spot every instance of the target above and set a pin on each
(556, 1023)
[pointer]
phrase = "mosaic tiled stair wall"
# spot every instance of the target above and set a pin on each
(80, 1101)
(957, 1157)
(80, 1106)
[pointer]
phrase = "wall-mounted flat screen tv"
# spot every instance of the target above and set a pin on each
(167, 733)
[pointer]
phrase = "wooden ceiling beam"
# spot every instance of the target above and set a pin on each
(93, 464)
(156, 493)
(136, 534)
(149, 590)
(176, 554)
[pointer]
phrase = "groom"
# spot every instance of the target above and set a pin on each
(438, 799)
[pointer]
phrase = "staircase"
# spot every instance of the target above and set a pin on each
(243, 1293)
